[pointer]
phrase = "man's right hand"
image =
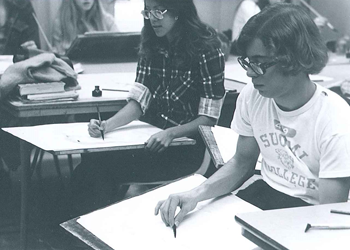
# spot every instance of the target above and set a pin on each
(186, 201)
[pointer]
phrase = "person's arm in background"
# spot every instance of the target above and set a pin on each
(9, 80)
(130, 112)
(17, 72)
(245, 11)
(228, 178)
(162, 140)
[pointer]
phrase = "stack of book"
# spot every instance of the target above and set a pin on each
(46, 91)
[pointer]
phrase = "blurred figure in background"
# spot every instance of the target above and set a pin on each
(77, 17)
(17, 26)
(244, 11)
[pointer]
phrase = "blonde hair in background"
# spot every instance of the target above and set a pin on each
(73, 24)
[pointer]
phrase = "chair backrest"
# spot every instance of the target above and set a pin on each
(228, 109)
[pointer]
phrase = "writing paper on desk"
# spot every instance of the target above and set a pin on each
(75, 136)
(131, 224)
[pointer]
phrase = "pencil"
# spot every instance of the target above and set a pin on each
(169, 120)
(99, 118)
(174, 230)
(326, 227)
(340, 212)
(118, 90)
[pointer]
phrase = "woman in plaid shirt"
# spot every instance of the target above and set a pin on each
(179, 85)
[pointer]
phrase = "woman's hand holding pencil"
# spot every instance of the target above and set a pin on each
(96, 129)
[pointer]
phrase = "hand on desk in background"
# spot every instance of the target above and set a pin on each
(160, 141)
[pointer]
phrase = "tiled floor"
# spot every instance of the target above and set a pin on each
(48, 207)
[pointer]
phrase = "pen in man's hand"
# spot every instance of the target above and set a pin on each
(174, 230)
(99, 118)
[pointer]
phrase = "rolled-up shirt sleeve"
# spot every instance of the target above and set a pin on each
(212, 67)
(210, 107)
(141, 94)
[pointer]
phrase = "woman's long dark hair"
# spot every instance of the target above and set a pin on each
(191, 35)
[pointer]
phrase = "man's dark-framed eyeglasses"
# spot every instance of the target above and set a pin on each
(159, 14)
(258, 68)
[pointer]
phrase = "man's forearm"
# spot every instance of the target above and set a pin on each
(227, 179)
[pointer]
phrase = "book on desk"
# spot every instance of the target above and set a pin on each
(45, 91)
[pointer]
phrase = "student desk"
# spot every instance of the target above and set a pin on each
(73, 138)
(283, 229)
(131, 224)
(110, 101)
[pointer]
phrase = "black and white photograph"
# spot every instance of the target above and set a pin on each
(174, 124)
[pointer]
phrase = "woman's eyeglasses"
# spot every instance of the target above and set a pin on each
(258, 68)
(156, 13)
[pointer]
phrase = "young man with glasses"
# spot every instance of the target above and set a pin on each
(301, 129)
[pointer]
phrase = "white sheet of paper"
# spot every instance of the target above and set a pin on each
(237, 73)
(71, 136)
(131, 224)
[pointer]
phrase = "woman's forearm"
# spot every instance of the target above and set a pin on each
(191, 128)
(130, 112)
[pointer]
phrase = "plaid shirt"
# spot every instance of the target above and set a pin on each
(170, 95)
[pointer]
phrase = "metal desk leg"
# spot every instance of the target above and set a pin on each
(25, 149)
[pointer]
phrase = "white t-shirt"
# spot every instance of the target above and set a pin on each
(300, 146)
(246, 10)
